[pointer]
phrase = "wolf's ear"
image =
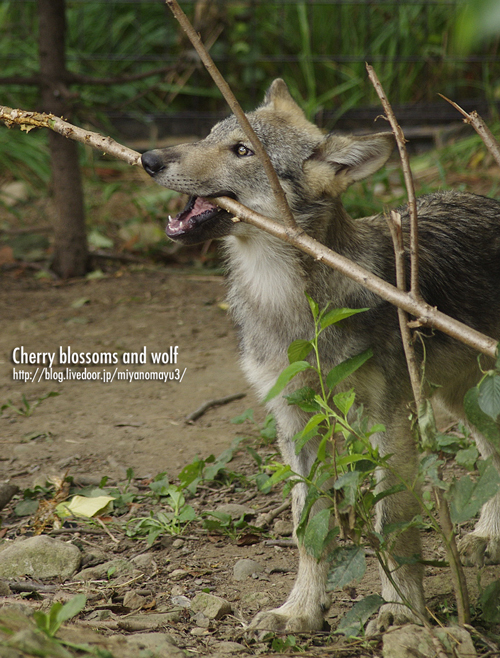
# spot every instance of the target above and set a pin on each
(280, 98)
(355, 158)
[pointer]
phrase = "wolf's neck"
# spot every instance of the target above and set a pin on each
(266, 272)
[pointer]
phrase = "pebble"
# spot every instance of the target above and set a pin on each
(245, 568)
(213, 607)
(39, 557)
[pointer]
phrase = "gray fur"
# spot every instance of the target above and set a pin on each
(459, 273)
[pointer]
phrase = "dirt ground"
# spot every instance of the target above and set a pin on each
(95, 429)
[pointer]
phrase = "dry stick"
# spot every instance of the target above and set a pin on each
(212, 403)
(194, 37)
(412, 200)
(481, 128)
(425, 314)
(31, 120)
(457, 573)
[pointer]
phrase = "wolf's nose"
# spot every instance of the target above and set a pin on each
(152, 162)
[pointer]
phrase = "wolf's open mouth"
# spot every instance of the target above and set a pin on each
(197, 211)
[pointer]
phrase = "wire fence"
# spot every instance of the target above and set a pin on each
(319, 46)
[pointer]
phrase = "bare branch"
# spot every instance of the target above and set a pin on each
(230, 98)
(29, 120)
(425, 314)
(410, 188)
(481, 128)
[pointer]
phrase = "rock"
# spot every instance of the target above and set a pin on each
(178, 543)
(201, 620)
(7, 491)
(179, 574)
(412, 640)
(39, 557)
(213, 607)
(181, 600)
(133, 600)
(228, 647)
(160, 645)
(283, 528)
(245, 568)
(235, 511)
(256, 600)
(4, 589)
(198, 632)
(110, 569)
(145, 562)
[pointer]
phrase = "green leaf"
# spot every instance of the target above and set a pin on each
(301, 438)
(26, 507)
(344, 401)
(71, 608)
(489, 396)
(346, 368)
(467, 497)
(316, 531)
(467, 457)
(313, 305)
(304, 398)
(246, 415)
(490, 603)
(484, 423)
(352, 624)
(338, 314)
(282, 473)
(427, 425)
(298, 350)
(286, 376)
(348, 564)
(348, 482)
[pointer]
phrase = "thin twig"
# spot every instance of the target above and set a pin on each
(28, 120)
(212, 403)
(266, 519)
(394, 222)
(194, 37)
(410, 188)
(423, 312)
(481, 128)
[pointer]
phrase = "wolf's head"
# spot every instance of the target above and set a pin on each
(311, 167)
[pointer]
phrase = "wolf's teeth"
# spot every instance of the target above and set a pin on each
(170, 218)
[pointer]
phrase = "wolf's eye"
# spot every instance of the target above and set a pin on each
(242, 151)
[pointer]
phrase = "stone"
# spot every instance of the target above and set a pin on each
(160, 645)
(213, 607)
(4, 589)
(245, 568)
(411, 640)
(7, 491)
(228, 647)
(181, 601)
(145, 562)
(235, 511)
(39, 557)
(110, 569)
(283, 528)
(179, 574)
(133, 600)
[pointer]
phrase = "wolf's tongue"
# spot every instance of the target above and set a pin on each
(195, 209)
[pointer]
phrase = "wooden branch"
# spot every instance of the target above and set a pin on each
(194, 37)
(197, 413)
(481, 128)
(425, 314)
(29, 120)
(410, 188)
(394, 222)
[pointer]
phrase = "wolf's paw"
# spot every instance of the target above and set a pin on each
(287, 619)
(391, 614)
(476, 550)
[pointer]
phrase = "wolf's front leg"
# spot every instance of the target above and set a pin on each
(308, 601)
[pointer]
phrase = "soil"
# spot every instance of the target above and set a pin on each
(94, 429)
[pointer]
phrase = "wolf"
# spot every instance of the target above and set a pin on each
(459, 237)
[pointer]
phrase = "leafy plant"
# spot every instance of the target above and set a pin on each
(26, 409)
(50, 622)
